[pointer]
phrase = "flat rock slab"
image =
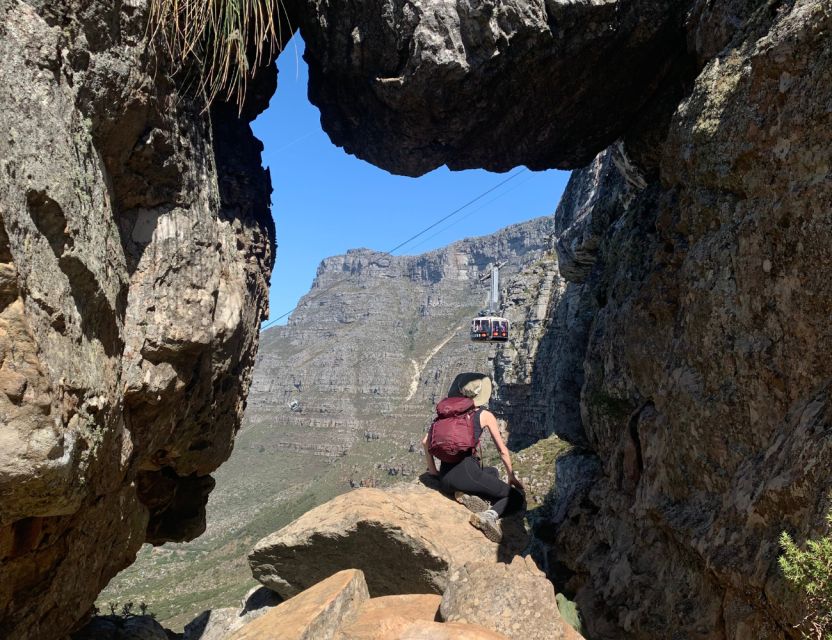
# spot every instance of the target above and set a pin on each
(447, 631)
(513, 599)
(404, 539)
(388, 616)
(315, 614)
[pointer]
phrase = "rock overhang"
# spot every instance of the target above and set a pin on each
(411, 86)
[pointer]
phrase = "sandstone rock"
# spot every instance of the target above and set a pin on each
(259, 598)
(410, 86)
(514, 599)
(135, 251)
(388, 616)
(315, 614)
(404, 539)
(446, 631)
(219, 624)
(215, 624)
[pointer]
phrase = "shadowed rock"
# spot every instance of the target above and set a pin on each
(514, 599)
(404, 540)
(410, 86)
(135, 250)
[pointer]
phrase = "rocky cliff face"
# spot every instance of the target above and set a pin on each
(378, 340)
(699, 275)
(135, 251)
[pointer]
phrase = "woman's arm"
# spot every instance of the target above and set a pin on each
(431, 464)
(488, 421)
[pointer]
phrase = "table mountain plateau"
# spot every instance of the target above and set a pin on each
(378, 340)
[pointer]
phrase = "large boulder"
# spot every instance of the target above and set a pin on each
(404, 539)
(410, 86)
(315, 614)
(388, 616)
(135, 252)
(514, 599)
(446, 631)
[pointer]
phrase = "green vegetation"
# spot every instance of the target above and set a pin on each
(225, 41)
(535, 466)
(809, 570)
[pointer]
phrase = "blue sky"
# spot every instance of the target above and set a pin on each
(326, 201)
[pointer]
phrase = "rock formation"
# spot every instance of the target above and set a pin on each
(413, 85)
(415, 529)
(409, 542)
(388, 616)
(135, 251)
(339, 608)
(699, 270)
(315, 614)
(514, 599)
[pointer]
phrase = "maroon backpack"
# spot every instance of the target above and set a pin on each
(452, 432)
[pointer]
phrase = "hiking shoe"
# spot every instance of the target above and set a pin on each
(487, 522)
(472, 503)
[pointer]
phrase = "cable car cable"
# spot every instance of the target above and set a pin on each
(456, 211)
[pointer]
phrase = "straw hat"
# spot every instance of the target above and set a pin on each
(472, 385)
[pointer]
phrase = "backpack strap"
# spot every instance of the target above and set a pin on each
(477, 451)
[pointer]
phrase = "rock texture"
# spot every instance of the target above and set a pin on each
(315, 614)
(700, 370)
(220, 623)
(389, 616)
(376, 343)
(514, 599)
(414, 85)
(135, 251)
(447, 631)
(417, 530)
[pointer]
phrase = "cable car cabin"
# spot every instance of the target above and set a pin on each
(489, 329)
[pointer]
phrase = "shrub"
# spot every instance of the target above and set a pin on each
(219, 37)
(809, 570)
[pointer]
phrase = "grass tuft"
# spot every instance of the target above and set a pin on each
(224, 40)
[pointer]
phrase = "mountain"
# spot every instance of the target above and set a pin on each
(340, 397)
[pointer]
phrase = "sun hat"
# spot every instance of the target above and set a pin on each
(476, 386)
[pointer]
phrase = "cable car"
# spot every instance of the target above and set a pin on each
(489, 327)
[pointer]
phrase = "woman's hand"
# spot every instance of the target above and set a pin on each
(514, 481)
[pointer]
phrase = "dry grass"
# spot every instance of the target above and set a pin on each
(224, 40)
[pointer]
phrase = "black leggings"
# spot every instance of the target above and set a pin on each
(467, 476)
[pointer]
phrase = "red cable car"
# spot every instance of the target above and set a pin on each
(489, 329)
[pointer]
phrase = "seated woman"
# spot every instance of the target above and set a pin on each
(468, 476)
